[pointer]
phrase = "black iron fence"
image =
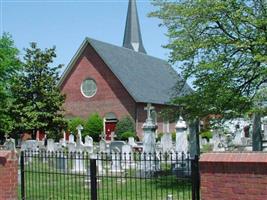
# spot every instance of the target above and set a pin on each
(108, 176)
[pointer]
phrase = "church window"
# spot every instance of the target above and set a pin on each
(88, 88)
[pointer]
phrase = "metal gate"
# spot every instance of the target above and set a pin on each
(108, 176)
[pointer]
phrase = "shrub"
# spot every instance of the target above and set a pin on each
(94, 126)
(126, 135)
(173, 136)
(73, 123)
(126, 124)
(159, 136)
(206, 134)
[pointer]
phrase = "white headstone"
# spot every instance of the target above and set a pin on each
(89, 144)
(10, 144)
(127, 156)
(88, 141)
(181, 136)
(131, 141)
(50, 145)
(71, 138)
(166, 142)
(103, 146)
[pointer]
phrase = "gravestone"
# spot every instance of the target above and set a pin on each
(116, 160)
(71, 147)
(103, 146)
(131, 141)
(10, 145)
(166, 142)
(116, 144)
(50, 145)
(127, 156)
(89, 144)
(149, 160)
(181, 142)
(30, 145)
(71, 138)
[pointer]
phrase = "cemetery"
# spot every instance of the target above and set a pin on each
(118, 123)
(112, 169)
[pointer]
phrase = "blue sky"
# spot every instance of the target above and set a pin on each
(65, 24)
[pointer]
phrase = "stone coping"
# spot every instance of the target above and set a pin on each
(251, 157)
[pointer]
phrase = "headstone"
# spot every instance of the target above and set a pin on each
(102, 146)
(166, 142)
(116, 144)
(71, 147)
(116, 160)
(127, 156)
(131, 141)
(78, 163)
(88, 141)
(89, 144)
(71, 138)
(264, 128)
(181, 143)
(50, 145)
(10, 144)
(30, 145)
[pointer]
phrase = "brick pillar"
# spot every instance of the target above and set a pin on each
(8, 175)
(233, 176)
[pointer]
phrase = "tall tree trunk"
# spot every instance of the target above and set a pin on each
(256, 133)
(194, 138)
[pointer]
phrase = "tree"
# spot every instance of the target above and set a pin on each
(125, 128)
(222, 45)
(94, 126)
(74, 123)
(9, 64)
(38, 102)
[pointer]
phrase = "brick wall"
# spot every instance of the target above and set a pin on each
(8, 175)
(233, 176)
(111, 96)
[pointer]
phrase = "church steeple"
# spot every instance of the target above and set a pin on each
(132, 35)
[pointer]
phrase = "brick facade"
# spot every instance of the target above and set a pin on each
(233, 176)
(8, 175)
(111, 96)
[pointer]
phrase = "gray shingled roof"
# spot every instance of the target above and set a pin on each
(146, 78)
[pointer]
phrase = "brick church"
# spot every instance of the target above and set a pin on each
(119, 81)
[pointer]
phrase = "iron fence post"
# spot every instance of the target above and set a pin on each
(22, 175)
(93, 179)
(195, 178)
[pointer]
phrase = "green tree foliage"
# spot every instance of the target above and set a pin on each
(9, 64)
(124, 125)
(73, 123)
(38, 102)
(222, 46)
(94, 126)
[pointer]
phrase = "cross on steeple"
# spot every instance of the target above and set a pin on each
(149, 108)
(132, 34)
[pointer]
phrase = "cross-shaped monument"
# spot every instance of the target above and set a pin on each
(149, 108)
(79, 136)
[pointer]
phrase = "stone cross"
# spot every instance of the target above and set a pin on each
(79, 128)
(149, 108)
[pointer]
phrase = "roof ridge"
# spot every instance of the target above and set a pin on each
(127, 49)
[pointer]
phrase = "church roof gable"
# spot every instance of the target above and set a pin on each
(146, 78)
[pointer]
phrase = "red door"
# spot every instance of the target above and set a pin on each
(110, 127)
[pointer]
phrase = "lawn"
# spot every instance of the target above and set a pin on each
(43, 182)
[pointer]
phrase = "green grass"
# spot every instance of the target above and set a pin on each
(44, 182)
